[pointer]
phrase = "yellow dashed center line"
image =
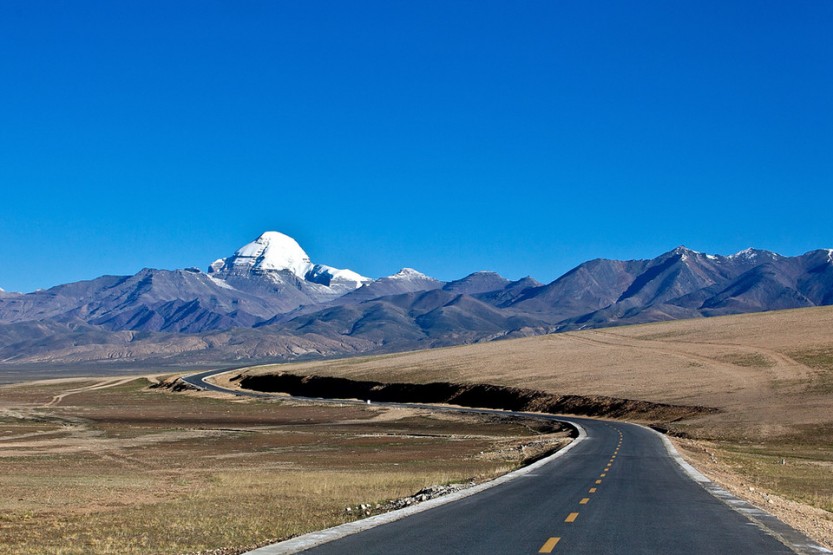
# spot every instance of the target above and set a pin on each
(549, 545)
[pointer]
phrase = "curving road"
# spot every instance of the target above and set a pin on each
(617, 491)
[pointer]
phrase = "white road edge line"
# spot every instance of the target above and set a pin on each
(313, 539)
(792, 538)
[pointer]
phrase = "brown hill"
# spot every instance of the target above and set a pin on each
(765, 372)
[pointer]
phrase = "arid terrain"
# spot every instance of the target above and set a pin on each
(769, 375)
(112, 466)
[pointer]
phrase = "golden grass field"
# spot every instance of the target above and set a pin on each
(769, 374)
(110, 466)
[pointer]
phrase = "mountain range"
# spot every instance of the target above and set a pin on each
(269, 301)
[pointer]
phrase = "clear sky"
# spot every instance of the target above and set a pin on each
(520, 137)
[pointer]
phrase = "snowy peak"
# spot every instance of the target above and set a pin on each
(754, 255)
(687, 254)
(746, 255)
(271, 251)
(409, 274)
(683, 252)
(274, 253)
(682, 249)
(326, 275)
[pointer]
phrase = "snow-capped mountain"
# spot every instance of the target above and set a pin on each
(280, 259)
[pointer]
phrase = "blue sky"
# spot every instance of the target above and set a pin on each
(520, 137)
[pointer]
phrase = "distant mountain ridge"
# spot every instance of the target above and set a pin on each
(269, 301)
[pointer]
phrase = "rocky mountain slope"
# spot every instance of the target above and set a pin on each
(270, 301)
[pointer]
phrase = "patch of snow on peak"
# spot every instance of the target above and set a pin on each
(685, 252)
(752, 254)
(748, 254)
(219, 282)
(409, 274)
(334, 274)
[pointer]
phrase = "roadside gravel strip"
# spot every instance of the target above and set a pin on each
(313, 539)
(768, 523)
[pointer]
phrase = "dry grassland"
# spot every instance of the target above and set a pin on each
(770, 375)
(108, 466)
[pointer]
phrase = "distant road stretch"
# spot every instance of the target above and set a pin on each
(618, 491)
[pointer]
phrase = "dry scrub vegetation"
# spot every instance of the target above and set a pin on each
(769, 374)
(109, 466)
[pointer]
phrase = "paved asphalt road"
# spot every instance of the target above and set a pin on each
(618, 491)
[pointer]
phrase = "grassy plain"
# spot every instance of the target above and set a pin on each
(109, 466)
(769, 374)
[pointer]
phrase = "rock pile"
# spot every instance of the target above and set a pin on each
(425, 494)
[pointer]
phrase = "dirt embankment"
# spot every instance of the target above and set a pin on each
(173, 383)
(469, 395)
